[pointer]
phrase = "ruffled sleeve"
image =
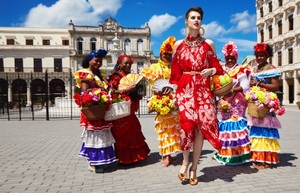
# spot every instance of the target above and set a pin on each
(114, 81)
(81, 75)
(86, 75)
(268, 74)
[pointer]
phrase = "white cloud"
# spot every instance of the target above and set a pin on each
(81, 12)
(243, 22)
(160, 23)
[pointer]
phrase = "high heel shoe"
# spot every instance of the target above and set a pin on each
(183, 176)
(193, 180)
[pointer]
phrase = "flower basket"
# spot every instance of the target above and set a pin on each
(118, 110)
(224, 90)
(254, 111)
(93, 113)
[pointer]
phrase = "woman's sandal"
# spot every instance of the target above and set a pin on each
(193, 180)
(183, 176)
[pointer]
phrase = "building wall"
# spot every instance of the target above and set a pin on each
(289, 39)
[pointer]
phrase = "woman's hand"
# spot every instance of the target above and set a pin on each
(254, 83)
(206, 72)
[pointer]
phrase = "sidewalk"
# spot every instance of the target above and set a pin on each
(42, 156)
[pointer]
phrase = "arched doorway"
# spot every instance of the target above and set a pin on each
(3, 92)
(19, 91)
(38, 91)
(57, 89)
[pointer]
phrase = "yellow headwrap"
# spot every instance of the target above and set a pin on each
(168, 45)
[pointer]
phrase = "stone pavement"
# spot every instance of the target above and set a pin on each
(42, 156)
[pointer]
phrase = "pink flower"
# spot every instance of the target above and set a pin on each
(281, 111)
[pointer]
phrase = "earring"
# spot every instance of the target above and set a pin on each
(203, 31)
(186, 31)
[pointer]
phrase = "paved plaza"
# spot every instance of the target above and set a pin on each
(42, 156)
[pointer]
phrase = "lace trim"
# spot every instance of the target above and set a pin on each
(193, 43)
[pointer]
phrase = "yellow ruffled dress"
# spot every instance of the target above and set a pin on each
(167, 126)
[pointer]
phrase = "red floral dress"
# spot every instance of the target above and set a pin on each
(195, 100)
(130, 145)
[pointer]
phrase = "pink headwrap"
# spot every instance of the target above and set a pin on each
(230, 49)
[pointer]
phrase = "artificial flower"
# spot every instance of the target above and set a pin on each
(92, 98)
(162, 104)
(263, 98)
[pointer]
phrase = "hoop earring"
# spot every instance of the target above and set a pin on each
(203, 31)
(186, 31)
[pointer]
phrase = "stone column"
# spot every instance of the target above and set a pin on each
(28, 96)
(285, 89)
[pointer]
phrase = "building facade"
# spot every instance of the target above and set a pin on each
(28, 54)
(278, 24)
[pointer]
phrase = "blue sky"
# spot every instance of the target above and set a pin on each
(223, 20)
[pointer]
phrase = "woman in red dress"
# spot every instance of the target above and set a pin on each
(130, 145)
(193, 63)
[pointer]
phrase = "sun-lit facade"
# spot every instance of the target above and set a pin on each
(27, 54)
(278, 24)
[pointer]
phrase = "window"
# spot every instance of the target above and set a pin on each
(291, 22)
(46, 42)
(57, 65)
(127, 43)
(279, 58)
(279, 3)
(279, 27)
(290, 55)
(37, 65)
(110, 45)
(270, 7)
(1, 65)
(79, 45)
(10, 41)
(261, 12)
(140, 47)
(93, 44)
(139, 65)
(29, 41)
(65, 42)
(261, 35)
(270, 32)
(19, 65)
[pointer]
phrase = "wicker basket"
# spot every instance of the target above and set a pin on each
(118, 110)
(253, 111)
(93, 113)
(224, 90)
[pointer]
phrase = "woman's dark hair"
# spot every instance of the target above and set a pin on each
(197, 9)
(85, 62)
(269, 50)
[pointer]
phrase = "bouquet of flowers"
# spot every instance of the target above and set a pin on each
(94, 103)
(94, 98)
(264, 99)
(162, 104)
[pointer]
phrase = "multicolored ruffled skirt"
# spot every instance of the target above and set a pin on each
(264, 136)
(235, 142)
(97, 146)
(168, 133)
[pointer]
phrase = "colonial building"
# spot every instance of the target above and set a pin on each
(35, 62)
(278, 24)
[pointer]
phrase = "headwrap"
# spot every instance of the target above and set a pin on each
(120, 60)
(124, 56)
(168, 45)
(261, 47)
(230, 49)
(100, 53)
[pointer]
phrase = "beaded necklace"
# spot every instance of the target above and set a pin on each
(193, 42)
